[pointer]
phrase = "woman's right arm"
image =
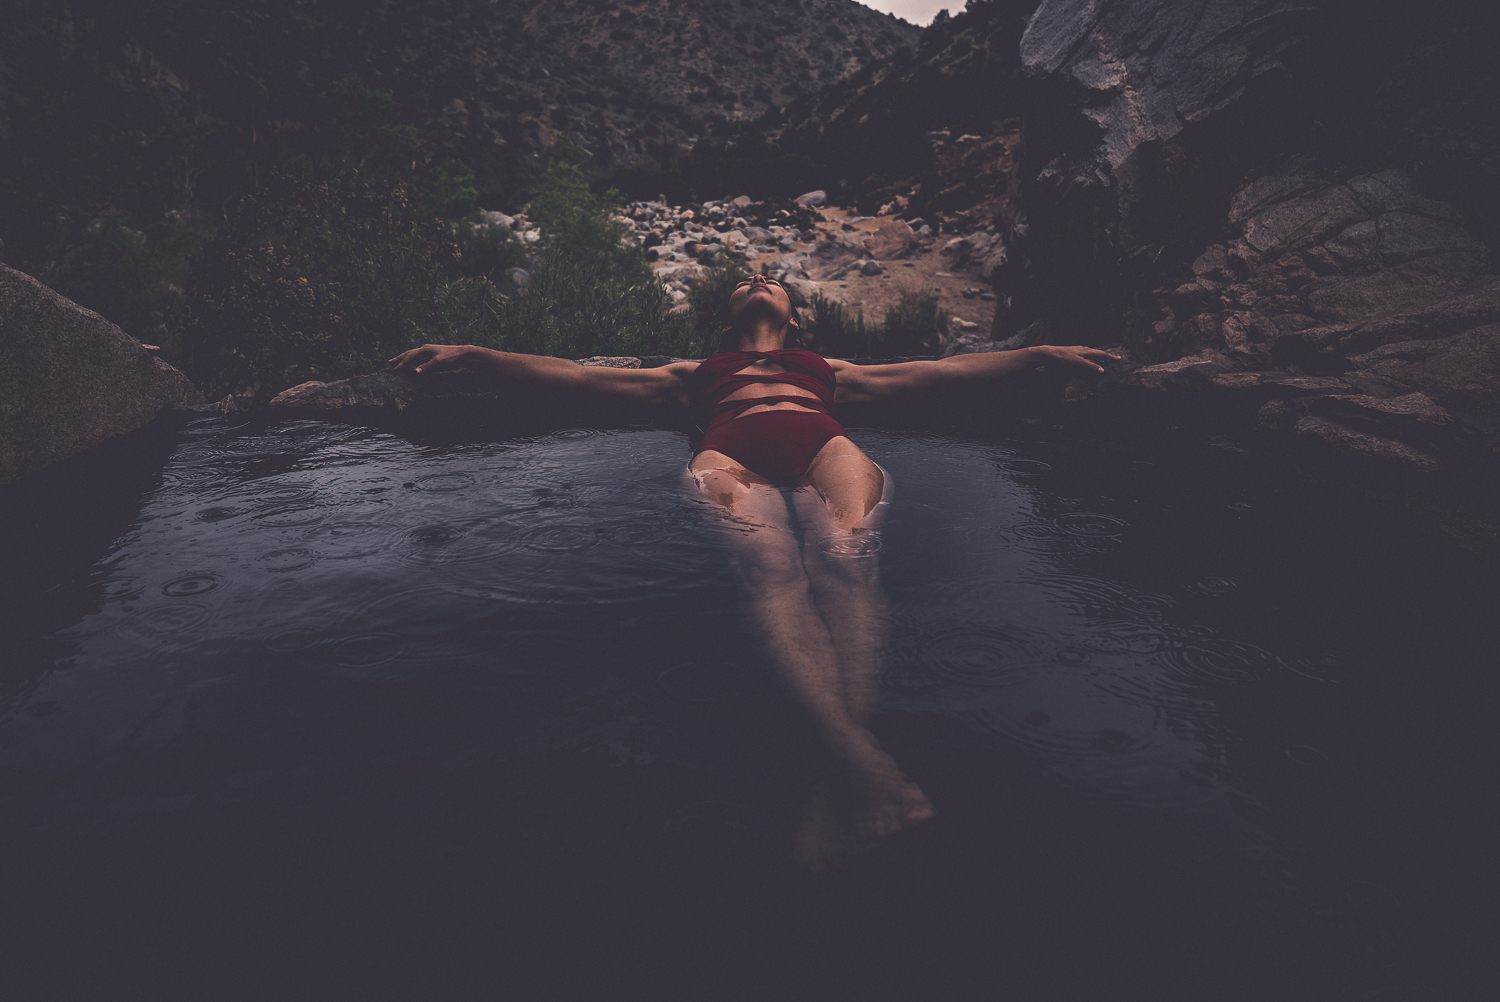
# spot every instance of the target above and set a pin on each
(666, 384)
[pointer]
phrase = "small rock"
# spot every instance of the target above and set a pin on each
(871, 268)
(742, 201)
(891, 239)
(812, 198)
(520, 276)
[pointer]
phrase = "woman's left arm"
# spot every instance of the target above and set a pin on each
(869, 383)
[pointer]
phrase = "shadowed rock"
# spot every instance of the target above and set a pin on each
(1151, 69)
(69, 379)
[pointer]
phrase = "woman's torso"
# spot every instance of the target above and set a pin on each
(721, 383)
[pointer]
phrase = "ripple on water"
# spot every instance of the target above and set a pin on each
(297, 638)
(1308, 755)
(368, 650)
(1052, 735)
(352, 540)
(864, 544)
(1023, 467)
(1219, 660)
(290, 517)
(1090, 524)
(966, 656)
(1214, 585)
(282, 561)
(164, 620)
(218, 513)
(190, 584)
(1122, 636)
(121, 589)
(457, 541)
(559, 538)
(281, 495)
(641, 533)
(443, 483)
(1100, 596)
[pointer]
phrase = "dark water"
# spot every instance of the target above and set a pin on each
(316, 712)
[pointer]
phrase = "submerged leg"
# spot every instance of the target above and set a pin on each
(767, 559)
(864, 794)
(822, 617)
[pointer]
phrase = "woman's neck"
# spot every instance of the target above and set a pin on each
(764, 335)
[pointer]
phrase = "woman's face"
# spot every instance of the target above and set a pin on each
(759, 296)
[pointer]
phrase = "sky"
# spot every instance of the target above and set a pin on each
(918, 12)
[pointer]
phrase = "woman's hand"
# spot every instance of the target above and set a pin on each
(1074, 355)
(434, 358)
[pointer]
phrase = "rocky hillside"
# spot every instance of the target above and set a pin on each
(889, 129)
(157, 105)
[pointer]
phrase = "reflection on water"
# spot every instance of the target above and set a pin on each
(328, 687)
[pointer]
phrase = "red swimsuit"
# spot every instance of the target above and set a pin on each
(779, 445)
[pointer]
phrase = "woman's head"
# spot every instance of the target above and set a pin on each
(756, 300)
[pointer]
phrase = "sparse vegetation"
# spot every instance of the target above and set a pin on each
(327, 277)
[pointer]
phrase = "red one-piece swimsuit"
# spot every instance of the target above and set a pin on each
(779, 444)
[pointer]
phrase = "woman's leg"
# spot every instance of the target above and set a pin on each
(840, 505)
(767, 560)
(822, 619)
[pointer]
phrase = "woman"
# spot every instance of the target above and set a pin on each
(775, 462)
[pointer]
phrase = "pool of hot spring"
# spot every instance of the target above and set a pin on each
(300, 710)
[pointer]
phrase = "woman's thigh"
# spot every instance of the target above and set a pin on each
(848, 484)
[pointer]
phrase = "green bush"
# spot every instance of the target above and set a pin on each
(591, 290)
(913, 326)
(121, 274)
(915, 323)
(835, 333)
(325, 277)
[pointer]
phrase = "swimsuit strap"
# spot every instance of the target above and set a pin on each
(730, 409)
(720, 375)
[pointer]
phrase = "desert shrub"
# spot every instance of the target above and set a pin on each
(591, 291)
(912, 326)
(834, 332)
(709, 298)
(915, 323)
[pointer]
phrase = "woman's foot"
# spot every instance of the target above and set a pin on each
(856, 807)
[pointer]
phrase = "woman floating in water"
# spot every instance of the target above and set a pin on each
(764, 409)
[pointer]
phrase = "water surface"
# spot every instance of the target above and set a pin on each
(318, 711)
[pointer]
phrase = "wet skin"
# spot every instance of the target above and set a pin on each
(820, 610)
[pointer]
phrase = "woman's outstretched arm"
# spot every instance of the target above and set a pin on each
(868, 383)
(666, 384)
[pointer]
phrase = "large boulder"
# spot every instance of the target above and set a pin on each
(69, 379)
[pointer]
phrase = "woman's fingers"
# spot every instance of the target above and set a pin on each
(409, 359)
(426, 357)
(1079, 354)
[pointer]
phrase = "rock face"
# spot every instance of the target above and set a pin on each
(1380, 296)
(1187, 190)
(69, 379)
(1147, 70)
